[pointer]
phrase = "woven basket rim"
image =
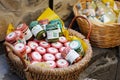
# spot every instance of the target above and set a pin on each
(70, 69)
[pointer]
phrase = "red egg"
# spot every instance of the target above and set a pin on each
(52, 64)
(28, 49)
(20, 47)
(32, 45)
(61, 49)
(57, 45)
(52, 50)
(36, 56)
(66, 44)
(48, 57)
(61, 63)
(62, 39)
(44, 44)
(41, 50)
(58, 56)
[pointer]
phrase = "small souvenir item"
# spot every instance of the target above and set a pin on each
(52, 32)
(44, 44)
(79, 7)
(21, 48)
(57, 45)
(37, 30)
(61, 63)
(85, 11)
(28, 49)
(28, 53)
(11, 37)
(71, 55)
(48, 57)
(32, 45)
(43, 23)
(91, 13)
(76, 45)
(25, 29)
(36, 56)
(20, 36)
(59, 25)
(110, 12)
(67, 44)
(103, 17)
(61, 49)
(52, 64)
(58, 56)
(52, 50)
(33, 23)
(62, 39)
(41, 50)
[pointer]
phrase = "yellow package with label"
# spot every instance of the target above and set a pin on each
(10, 28)
(51, 15)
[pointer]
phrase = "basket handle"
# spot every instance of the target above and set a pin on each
(15, 53)
(89, 24)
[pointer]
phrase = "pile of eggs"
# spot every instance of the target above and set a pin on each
(42, 51)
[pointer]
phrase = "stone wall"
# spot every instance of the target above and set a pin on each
(16, 11)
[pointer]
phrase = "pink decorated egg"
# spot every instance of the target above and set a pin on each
(41, 50)
(32, 45)
(21, 48)
(52, 50)
(61, 63)
(36, 56)
(58, 56)
(66, 44)
(52, 64)
(28, 49)
(11, 37)
(48, 57)
(61, 49)
(44, 44)
(62, 39)
(57, 45)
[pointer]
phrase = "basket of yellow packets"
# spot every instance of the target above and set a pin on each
(46, 50)
(104, 17)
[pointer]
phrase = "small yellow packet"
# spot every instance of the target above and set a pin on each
(111, 2)
(10, 28)
(50, 15)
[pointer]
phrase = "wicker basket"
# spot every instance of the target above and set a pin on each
(30, 72)
(102, 35)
